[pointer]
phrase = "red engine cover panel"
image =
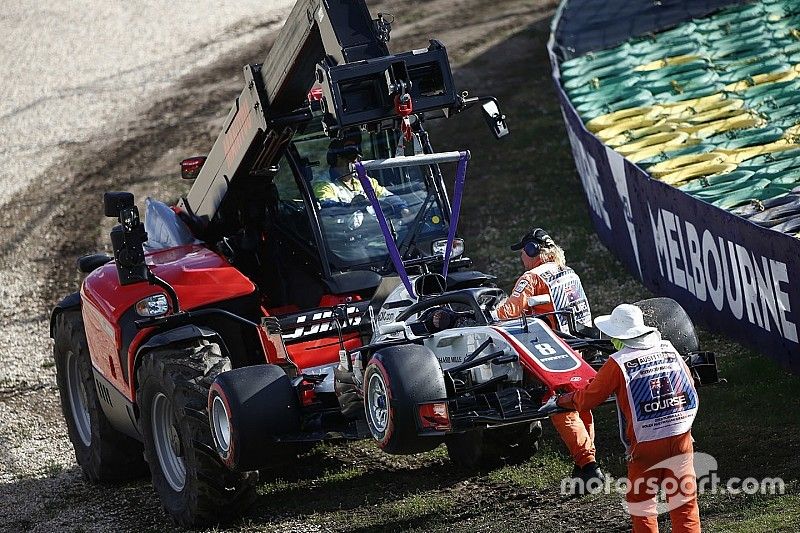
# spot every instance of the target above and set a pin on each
(199, 276)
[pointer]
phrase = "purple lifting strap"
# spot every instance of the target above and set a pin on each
(391, 245)
(458, 190)
(394, 253)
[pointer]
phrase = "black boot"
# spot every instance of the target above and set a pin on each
(592, 478)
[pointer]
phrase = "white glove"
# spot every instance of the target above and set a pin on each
(550, 406)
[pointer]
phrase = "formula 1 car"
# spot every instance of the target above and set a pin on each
(442, 371)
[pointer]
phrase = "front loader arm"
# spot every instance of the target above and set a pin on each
(337, 46)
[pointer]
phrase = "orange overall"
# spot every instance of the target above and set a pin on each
(677, 478)
(575, 429)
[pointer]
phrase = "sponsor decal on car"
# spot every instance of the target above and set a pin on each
(294, 328)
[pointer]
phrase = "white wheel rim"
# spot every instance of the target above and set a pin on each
(221, 424)
(377, 404)
(76, 391)
(167, 442)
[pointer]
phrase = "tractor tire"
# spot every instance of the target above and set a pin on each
(484, 448)
(672, 321)
(103, 453)
(396, 380)
(194, 486)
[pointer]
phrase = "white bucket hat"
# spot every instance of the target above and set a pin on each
(626, 321)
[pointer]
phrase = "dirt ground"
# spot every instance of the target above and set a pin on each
(498, 48)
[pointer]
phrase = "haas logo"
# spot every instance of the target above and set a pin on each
(300, 330)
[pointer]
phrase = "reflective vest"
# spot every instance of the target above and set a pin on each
(566, 291)
(662, 400)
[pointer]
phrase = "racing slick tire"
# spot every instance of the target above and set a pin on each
(396, 380)
(103, 453)
(672, 321)
(482, 448)
(248, 407)
(193, 484)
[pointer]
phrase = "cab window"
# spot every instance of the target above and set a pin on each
(291, 212)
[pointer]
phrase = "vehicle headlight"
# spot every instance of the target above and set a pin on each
(440, 246)
(155, 305)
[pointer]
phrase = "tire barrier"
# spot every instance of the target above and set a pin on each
(684, 121)
(726, 82)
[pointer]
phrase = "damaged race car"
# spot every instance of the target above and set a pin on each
(443, 371)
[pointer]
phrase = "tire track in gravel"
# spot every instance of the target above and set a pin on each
(43, 228)
(56, 220)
